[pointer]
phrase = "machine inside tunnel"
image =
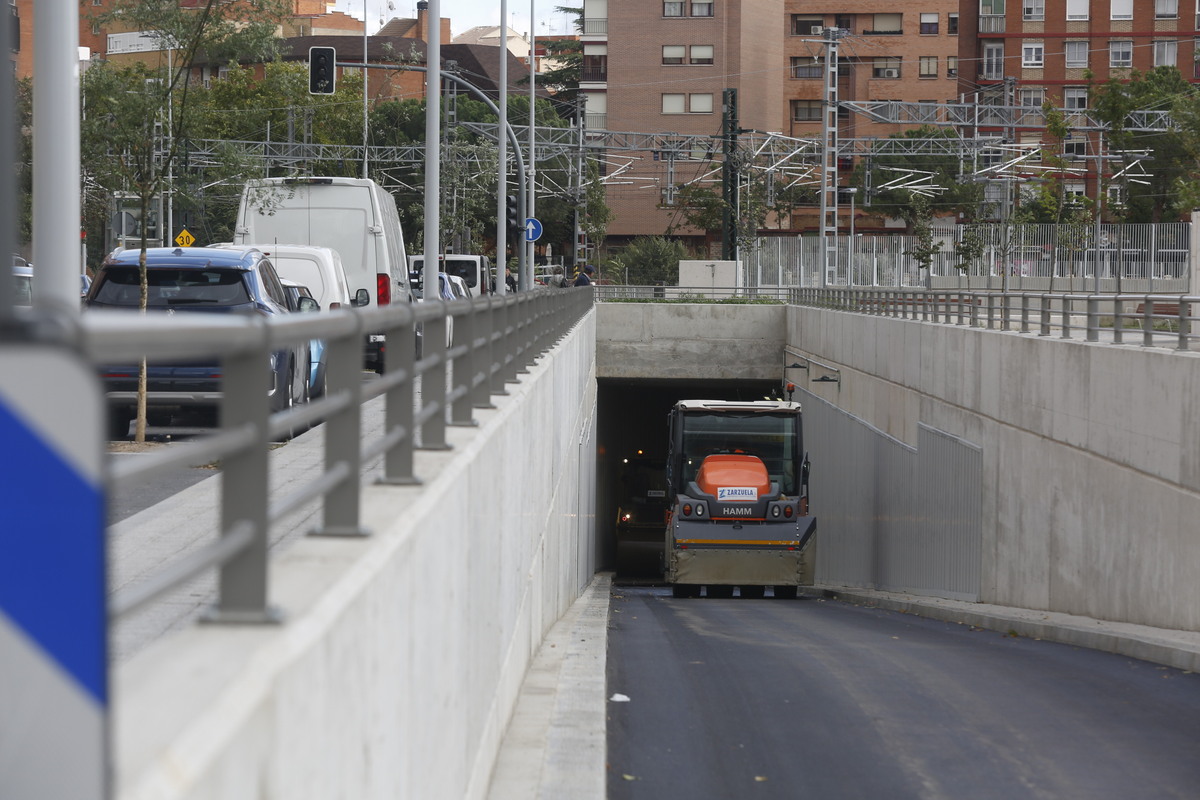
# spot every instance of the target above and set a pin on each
(632, 451)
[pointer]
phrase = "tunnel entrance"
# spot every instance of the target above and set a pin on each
(631, 452)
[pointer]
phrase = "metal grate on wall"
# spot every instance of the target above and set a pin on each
(890, 516)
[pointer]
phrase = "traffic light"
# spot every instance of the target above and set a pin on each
(322, 70)
(513, 215)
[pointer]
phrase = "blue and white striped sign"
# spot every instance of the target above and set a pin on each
(53, 626)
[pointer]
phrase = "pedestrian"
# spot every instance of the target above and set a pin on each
(585, 277)
(557, 279)
(510, 281)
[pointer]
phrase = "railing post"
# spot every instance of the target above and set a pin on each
(1066, 316)
(242, 581)
(1093, 319)
(399, 401)
(462, 372)
(1185, 325)
(1147, 321)
(494, 329)
(1024, 313)
(343, 430)
(433, 382)
(1118, 320)
(991, 312)
(1045, 315)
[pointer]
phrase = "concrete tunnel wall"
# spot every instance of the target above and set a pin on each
(399, 663)
(1091, 453)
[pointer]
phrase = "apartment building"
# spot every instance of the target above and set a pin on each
(653, 67)
(886, 53)
(1027, 52)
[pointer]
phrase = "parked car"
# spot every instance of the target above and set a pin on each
(23, 285)
(193, 280)
(300, 298)
(356, 217)
(475, 271)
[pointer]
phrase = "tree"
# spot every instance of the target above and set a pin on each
(919, 216)
(565, 57)
(137, 114)
(1172, 158)
(959, 194)
(650, 261)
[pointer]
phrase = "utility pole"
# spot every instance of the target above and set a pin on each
(829, 148)
(729, 174)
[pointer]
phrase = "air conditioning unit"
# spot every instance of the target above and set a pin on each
(817, 30)
(890, 73)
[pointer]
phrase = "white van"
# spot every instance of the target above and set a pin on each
(476, 271)
(318, 268)
(354, 216)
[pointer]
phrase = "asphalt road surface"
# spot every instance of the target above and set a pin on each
(812, 698)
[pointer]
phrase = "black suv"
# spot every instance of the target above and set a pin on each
(193, 279)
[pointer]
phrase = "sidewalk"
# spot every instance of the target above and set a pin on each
(555, 746)
(1180, 649)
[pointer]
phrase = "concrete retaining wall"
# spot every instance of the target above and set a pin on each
(1091, 453)
(689, 341)
(398, 665)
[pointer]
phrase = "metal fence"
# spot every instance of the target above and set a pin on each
(494, 338)
(684, 294)
(1111, 258)
(894, 517)
(1151, 320)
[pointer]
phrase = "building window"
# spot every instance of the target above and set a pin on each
(952, 24)
(1120, 54)
(1075, 98)
(1077, 9)
(886, 68)
(673, 8)
(844, 21)
(806, 26)
(928, 67)
(700, 103)
(1033, 55)
(886, 24)
(673, 53)
(96, 28)
(993, 61)
(673, 103)
(701, 54)
(1166, 9)
(1121, 9)
(1075, 148)
(929, 23)
(702, 9)
(806, 110)
(1073, 191)
(951, 66)
(1165, 53)
(991, 7)
(595, 62)
(807, 67)
(1077, 54)
(1033, 10)
(1031, 98)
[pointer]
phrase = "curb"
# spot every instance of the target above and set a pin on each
(1179, 649)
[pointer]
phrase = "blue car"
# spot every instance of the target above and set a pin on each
(193, 280)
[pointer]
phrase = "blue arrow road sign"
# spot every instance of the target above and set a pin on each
(53, 620)
(533, 229)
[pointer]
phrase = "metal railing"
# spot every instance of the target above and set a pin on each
(1149, 258)
(494, 338)
(1151, 320)
(683, 294)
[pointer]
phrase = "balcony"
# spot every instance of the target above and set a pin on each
(991, 23)
(595, 26)
(593, 74)
(595, 122)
